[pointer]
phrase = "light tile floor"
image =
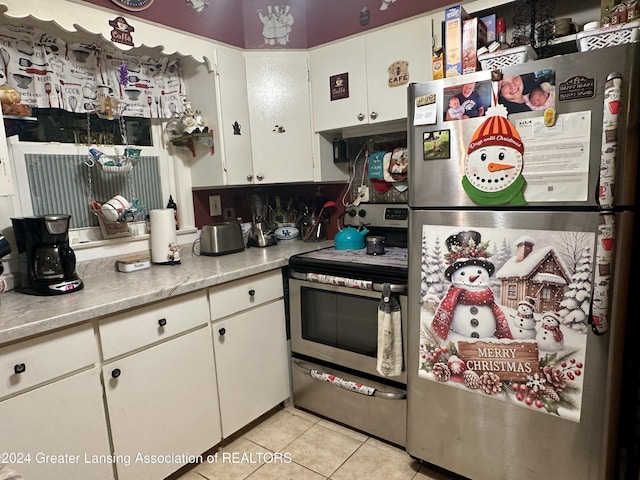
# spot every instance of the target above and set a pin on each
(296, 445)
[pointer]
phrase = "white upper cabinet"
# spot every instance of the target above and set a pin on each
(279, 108)
(339, 66)
(224, 91)
(235, 128)
(370, 73)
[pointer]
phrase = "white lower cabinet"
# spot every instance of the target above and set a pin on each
(171, 389)
(58, 431)
(251, 358)
(163, 406)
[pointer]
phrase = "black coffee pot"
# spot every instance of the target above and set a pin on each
(47, 262)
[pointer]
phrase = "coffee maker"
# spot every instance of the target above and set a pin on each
(46, 261)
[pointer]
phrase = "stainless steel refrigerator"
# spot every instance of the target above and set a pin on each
(522, 194)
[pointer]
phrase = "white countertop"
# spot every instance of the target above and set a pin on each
(107, 291)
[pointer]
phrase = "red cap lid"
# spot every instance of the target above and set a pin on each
(501, 25)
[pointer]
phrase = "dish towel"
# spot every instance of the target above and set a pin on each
(389, 334)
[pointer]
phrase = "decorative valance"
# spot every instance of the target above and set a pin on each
(51, 72)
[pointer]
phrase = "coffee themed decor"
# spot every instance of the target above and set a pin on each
(133, 5)
(121, 32)
(79, 77)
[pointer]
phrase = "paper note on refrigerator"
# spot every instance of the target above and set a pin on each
(556, 159)
(425, 110)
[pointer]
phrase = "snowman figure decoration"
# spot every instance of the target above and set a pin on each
(524, 325)
(493, 167)
(468, 308)
(549, 337)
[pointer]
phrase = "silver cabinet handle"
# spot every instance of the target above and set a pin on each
(249, 178)
(373, 115)
(260, 177)
(361, 117)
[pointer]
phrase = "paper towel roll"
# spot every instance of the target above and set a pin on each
(164, 240)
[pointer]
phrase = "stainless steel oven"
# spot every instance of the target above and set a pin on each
(339, 324)
(333, 306)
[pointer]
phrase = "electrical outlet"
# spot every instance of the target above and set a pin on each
(363, 194)
(215, 205)
(229, 213)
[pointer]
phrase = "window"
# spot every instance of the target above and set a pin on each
(56, 125)
(53, 178)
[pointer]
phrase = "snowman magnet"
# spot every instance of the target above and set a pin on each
(493, 167)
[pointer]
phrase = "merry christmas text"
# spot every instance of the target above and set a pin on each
(511, 362)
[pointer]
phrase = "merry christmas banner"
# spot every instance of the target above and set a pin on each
(504, 313)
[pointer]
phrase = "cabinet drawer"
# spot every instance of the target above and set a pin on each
(232, 297)
(143, 326)
(29, 363)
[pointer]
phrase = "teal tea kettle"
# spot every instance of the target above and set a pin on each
(350, 238)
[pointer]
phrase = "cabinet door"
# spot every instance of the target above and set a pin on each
(408, 42)
(235, 128)
(279, 106)
(163, 401)
(252, 366)
(345, 57)
(62, 427)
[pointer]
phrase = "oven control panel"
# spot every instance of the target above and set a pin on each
(396, 213)
(378, 215)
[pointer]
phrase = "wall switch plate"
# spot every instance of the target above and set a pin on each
(363, 193)
(215, 205)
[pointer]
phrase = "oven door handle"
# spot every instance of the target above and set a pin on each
(395, 287)
(400, 288)
(348, 385)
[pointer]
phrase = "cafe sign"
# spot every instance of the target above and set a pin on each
(339, 86)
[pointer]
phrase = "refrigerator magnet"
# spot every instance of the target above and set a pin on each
(435, 145)
(493, 166)
(425, 110)
(499, 313)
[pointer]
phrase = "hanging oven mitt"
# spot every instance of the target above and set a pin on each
(389, 334)
(396, 165)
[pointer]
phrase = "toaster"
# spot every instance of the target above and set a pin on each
(221, 238)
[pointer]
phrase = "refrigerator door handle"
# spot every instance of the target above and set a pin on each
(600, 299)
(354, 387)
